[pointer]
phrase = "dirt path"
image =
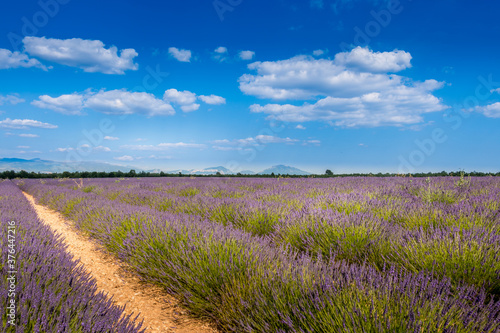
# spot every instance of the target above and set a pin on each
(160, 311)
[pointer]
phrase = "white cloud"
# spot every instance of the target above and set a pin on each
(221, 141)
(299, 126)
(254, 141)
(180, 55)
(181, 145)
(364, 59)
(89, 55)
(246, 55)
(495, 90)
(304, 77)
(263, 139)
(341, 96)
(24, 135)
(124, 158)
(190, 108)
(490, 111)
(16, 59)
(23, 147)
(117, 102)
(66, 104)
(185, 99)
(318, 53)
(64, 150)
(179, 97)
(24, 124)
(111, 138)
(85, 146)
(221, 50)
(102, 148)
(163, 146)
(221, 148)
(213, 99)
(220, 54)
(121, 102)
(11, 99)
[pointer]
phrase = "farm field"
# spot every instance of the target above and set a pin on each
(299, 255)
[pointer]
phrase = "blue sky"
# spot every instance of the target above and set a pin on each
(348, 85)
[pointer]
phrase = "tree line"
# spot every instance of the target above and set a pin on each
(11, 174)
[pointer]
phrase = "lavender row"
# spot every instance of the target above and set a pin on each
(50, 291)
(448, 226)
(246, 283)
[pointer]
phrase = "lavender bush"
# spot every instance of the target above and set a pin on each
(53, 293)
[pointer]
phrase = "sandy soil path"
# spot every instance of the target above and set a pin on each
(160, 311)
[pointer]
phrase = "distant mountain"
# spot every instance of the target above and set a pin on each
(46, 166)
(284, 170)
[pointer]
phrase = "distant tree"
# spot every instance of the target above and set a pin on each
(329, 173)
(131, 173)
(218, 174)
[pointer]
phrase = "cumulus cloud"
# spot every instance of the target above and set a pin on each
(89, 55)
(24, 124)
(111, 138)
(490, 111)
(10, 99)
(122, 102)
(25, 135)
(299, 126)
(185, 99)
(16, 59)
(163, 146)
(213, 99)
(364, 59)
(179, 54)
(343, 92)
(117, 102)
(246, 55)
(221, 50)
(66, 104)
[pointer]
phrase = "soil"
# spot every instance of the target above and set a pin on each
(159, 311)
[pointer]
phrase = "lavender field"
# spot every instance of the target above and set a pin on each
(299, 255)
